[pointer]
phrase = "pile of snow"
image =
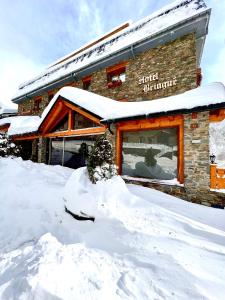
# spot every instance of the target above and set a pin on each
(143, 244)
(93, 198)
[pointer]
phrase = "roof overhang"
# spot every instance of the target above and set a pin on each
(197, 24)
(167, 113)
(58, 111)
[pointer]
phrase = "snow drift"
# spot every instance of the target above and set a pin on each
(143, 245)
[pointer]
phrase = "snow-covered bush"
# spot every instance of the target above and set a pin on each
(100, 161)
(7, 147)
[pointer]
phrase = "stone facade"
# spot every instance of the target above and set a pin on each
(42, 150)
(196, 154)
(196, 165)
(173, 60)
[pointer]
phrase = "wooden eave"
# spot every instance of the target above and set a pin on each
(59, 110)
(4, 127)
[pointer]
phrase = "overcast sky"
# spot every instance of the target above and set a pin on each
(34, 33)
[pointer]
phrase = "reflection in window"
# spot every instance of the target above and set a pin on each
(56, 146)
(150, 154)
(70, 152)
(62, 125)
(80, 122)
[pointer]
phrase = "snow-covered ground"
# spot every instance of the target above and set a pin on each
(143, 245)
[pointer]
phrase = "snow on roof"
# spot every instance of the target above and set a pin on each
(21, 124)
(6, 108)
(162, 19)
(107, 109)
(91, 43)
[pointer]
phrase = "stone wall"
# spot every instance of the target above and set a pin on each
(43, 150)
(196, 165)
(172, 60)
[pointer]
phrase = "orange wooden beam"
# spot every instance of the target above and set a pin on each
(217, 115)
(4, 127)
(78, 132)
(71, 120)
(50, 119)
(80, 111)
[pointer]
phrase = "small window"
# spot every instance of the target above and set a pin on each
(50, 96)
(87, 83)
(116, 75)
(37, 104)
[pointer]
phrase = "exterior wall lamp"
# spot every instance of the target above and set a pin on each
(212, 158)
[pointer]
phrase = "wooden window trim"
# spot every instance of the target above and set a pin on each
(114, 71)
(153, 124)
(86, 82)
(37, 102)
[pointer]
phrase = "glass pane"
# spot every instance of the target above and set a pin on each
(80, 122)
(62, 125)
(150, 154)
(122, 77)
(56, 152)
(76, 151)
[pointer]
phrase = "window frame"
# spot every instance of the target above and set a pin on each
(153, 124)
(115, 70)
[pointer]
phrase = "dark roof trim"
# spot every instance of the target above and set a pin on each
(166, 113)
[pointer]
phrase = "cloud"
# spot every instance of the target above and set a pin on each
(213, 63)
(14, 70)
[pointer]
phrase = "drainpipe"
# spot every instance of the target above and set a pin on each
(132, 51)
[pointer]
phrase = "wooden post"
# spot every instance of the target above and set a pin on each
(213, 179)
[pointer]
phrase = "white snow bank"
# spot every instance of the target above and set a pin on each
(165, 18)
(144, 244)
(106, 108)
(83, 197)
(21, 124)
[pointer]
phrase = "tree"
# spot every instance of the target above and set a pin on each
(100, 161)
(7, 147)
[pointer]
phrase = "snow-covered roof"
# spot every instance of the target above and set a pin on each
(7, 109)
(163, 19)
(21, 124)
(109, 109)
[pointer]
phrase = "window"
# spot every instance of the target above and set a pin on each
(62, 125)
(80, 122)
(87, 83)
(116, 75)
(150, 154)
(37, 105)
(70, 151)
(50, 96)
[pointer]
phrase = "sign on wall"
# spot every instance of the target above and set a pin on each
(151, 83)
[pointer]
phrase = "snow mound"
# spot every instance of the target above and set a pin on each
(144, 244)
(82, 197)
